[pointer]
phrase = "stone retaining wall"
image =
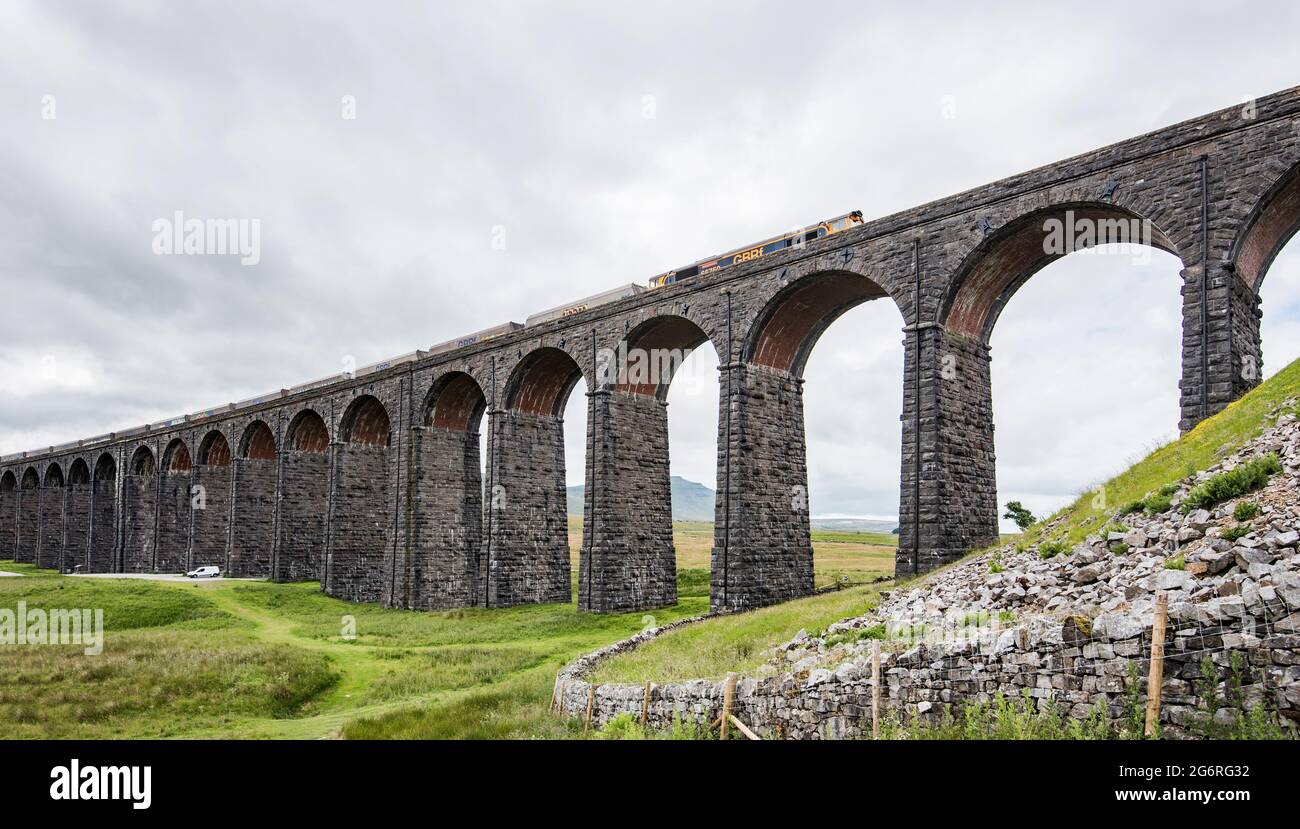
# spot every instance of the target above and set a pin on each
(1042, 659)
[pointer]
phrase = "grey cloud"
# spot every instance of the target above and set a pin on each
(375, 232)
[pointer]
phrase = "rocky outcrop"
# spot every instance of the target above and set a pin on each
(1069, 629)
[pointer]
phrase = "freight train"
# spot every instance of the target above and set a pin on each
(767, 247)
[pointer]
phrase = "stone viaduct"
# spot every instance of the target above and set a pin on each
(372, 483)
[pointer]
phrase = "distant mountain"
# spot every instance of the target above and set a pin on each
(691, 501)
(694, 502)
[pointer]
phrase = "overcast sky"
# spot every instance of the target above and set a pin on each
(602, 145)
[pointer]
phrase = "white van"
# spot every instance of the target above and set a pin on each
(209, 572)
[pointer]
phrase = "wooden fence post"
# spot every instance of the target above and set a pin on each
(875, 690)
(591, 702)
(645, 705)
(728, 697)
(1156, 676)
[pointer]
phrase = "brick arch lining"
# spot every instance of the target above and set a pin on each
(177, 460)
(79, 473)
(142, 462)
(31, 479)
(214, 450)
(258, 442)
(1000, 265)
(1271, 225)
(455, 402)
(366, 422)
(790, 325)
(105, 468)
(542, 382)
(54, 475)
(308, 433)
(648, 358)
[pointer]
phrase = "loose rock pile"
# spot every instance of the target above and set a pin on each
(1071, 630)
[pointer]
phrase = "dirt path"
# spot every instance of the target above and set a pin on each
(357, 665)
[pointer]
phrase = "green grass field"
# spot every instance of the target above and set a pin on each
(261, 660)
(253, 659)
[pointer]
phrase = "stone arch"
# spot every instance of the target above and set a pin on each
(307, 463)
(8, 513)
(28, 525)
(53, 476)
(542, 381)
(785, 331)
(648, 357)
(992, 273)
(254, 490)
(258, 442)
(446, 530)
(628, 561)
(142, 462)
(105, 468)
(77, 515)
(362, 519)
(214, 449)
(140, 502)
(308, 432)
(174, 508)
(79, 473)
(176, 458)
(50, 548)
(526, 551)
(366, 422)
(1269, 226)
(209, 513)
(456, 401)
(103, 515)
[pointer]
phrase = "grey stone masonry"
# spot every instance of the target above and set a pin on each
(526, 544)
(923, 683)
(28, 525)
(762, 547)
(102, 542)
(210, 516)
(140, 497)
(304, 501)
(363, 516)
(1221, 192)
(954, 508)
(252, 521)
(77, 519)
(51, 529)
(628, 561)
(447, 522)
(173, 548)
(8, 518)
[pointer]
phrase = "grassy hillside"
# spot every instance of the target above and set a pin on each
(1202, 447)
(717, 646)
(258, 660)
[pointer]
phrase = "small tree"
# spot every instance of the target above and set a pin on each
(1016, 512)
